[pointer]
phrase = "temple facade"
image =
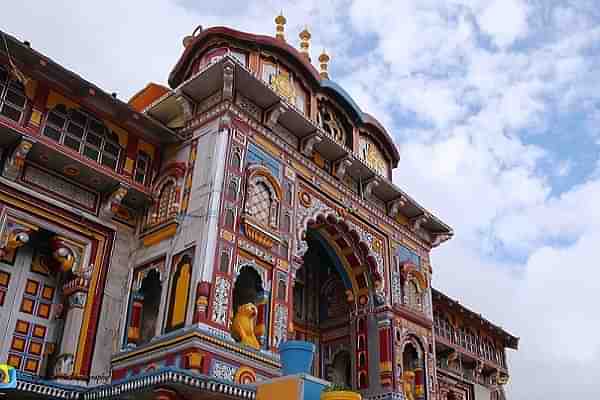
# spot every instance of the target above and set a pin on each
(165, 247)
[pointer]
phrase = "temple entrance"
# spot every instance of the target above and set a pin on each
(29, 299)
(322, 313)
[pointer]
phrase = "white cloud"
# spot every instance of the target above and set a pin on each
(504, 20)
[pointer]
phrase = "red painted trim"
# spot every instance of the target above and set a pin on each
(202, 40)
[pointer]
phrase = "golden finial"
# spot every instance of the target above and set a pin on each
(305, 42)
(280, 26)
(323, 61)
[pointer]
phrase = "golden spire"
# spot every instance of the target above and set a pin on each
(323, 61)
(280, 26)
(305, 42)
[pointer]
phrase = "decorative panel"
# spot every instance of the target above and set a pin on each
(221, 301)
(59, 188)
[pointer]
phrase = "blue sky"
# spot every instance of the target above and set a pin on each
(494, 106)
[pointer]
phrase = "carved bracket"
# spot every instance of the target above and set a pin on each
(187, 105)
(309, 143)
(395, 206)
(14, 234)
(113, 202)
(440, 238)
(341, 167)
(228, 74)
(67, 254)
(274, 113)
(15, 163)
(416, 222)
(370, 185)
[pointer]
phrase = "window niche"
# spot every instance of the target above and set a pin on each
(165, 206)
(180, 290)
(150, 292)
(250, 304)
(144, 306)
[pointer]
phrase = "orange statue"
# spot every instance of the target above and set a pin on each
(243, 326)
(408, 384)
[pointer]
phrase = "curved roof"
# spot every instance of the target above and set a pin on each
(294, 57)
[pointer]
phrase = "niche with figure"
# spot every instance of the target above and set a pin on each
(249, 308)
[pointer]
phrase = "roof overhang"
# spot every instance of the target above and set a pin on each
(510, 341)
(41, 68)
(210, 80)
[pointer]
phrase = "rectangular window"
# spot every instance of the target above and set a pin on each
(12, 97)
(269, 70)
(240, 56)
(142, 166)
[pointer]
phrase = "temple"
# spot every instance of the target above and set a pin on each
(164, 248)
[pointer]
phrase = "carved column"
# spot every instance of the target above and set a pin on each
(202, 294)
(13, 168)
(262, 304)
(385, 353)
(75, 292)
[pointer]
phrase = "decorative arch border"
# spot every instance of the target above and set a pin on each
(344, 234)
(420, 346)
(258, 171)
(245, 376)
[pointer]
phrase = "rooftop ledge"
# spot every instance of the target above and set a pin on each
(228, 74)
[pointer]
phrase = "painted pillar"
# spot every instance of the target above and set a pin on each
(135, 318)
(385, 353)
(262, 304)
(202, 294)
(419, 383)
(76, 293)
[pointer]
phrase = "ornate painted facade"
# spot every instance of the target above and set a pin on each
(167, 246)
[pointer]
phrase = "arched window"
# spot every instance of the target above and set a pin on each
(166, 199)
(180, 288)
(12, 97)
(84, 134)
(150, 293)
(261, 203)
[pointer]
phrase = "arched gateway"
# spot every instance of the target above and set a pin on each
(332, 290)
